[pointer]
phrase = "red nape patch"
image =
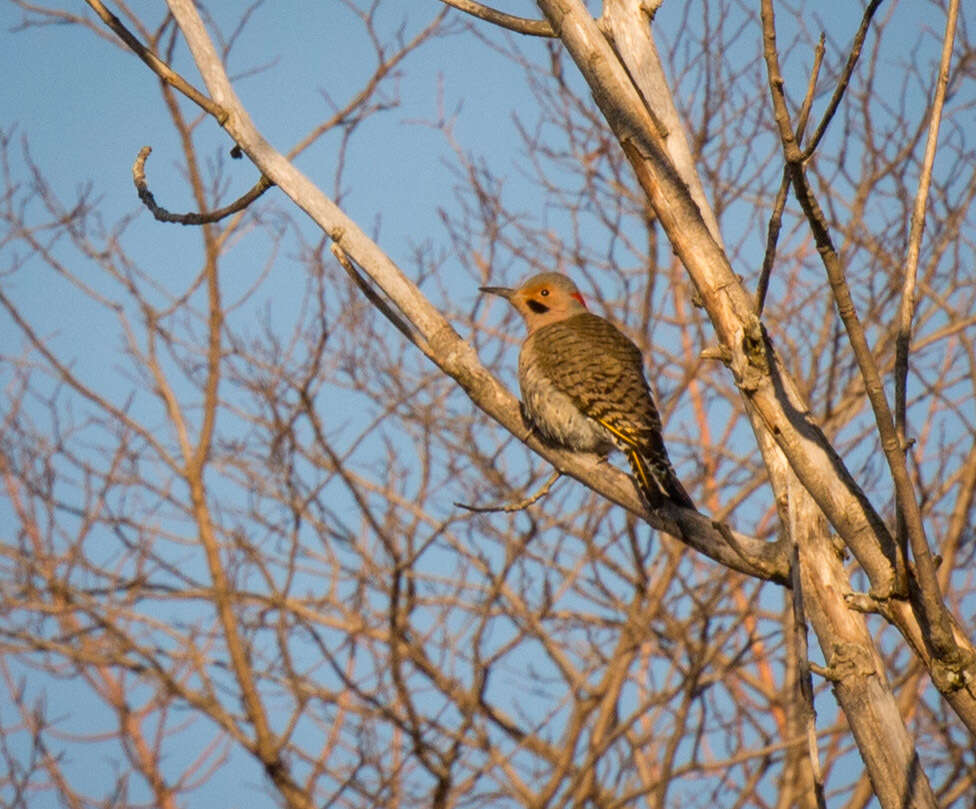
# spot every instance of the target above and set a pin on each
(579, 298)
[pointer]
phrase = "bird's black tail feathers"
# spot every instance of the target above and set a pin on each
(657, 482)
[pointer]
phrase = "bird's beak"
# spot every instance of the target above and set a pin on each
(502, 292)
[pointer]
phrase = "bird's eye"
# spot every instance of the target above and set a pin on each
(544, 293)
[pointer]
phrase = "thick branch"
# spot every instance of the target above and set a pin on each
(635, 48)
(855, 669)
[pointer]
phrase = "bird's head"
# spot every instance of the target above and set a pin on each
(543, 299)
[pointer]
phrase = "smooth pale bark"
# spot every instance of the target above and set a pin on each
(854, 667)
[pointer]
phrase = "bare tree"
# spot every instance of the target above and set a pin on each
(326, 550)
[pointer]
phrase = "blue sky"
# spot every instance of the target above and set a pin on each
(86, 107)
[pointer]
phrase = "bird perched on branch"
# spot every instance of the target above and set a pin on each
(583, 384)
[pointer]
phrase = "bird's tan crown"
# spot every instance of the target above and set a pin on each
(543, 299)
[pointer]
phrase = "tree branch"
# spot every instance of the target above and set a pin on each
(440, 342)
(776, 217)
(842, 82)
(520, 25)
(160, 213)
(906, 312)
(519, 505)
(157, 65)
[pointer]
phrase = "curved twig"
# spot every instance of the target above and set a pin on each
(139, 178)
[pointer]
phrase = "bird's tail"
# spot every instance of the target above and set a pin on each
(656, 480)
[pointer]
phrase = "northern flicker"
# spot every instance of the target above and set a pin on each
(583, 384)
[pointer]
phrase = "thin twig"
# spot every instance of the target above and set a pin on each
(139, 178)
(385, 309)
(907, 311)
(772, 239)
(382, 70)
(776, 217)
(802, 652)
(520, 25)
(844, 80)
(157, 65)
(521, 505)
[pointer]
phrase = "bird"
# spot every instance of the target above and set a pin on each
(583, 384)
